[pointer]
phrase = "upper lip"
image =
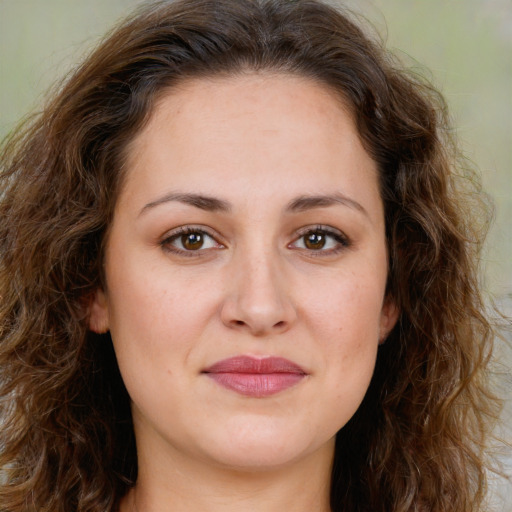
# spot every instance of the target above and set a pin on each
(255, 365)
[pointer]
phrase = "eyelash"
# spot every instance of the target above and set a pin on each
(342, 242)
(174, 235)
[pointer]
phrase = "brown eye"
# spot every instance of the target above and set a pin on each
(314, 240)
(325, 241)
(192, 241)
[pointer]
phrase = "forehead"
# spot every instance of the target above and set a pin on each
(267, 128)
(248, 100)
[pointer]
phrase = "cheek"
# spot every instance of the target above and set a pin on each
(154, 329)
(348, 314)
(151, 303)
(150, 324)
(346, 327)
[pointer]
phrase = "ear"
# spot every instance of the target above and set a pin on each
(388, 318)
(98, 313)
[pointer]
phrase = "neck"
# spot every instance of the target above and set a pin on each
(184, 485)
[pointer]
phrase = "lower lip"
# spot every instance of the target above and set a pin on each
(257, 385)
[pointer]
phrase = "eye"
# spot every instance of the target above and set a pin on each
(189, 240)
(321, 239)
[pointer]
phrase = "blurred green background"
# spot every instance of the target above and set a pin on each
(465, 47)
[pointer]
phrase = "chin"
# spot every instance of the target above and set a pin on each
(260, 459)
(255, 448)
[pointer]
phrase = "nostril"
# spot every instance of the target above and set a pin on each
(239, 322)
(279, 324)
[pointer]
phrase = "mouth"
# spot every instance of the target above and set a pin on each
(256, 377)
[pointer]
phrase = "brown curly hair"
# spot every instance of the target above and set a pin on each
(66, 440)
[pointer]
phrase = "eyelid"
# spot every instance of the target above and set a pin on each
(321, 227)
(340, 237)
(166, 240)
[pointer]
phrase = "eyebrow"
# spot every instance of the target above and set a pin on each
(211, 204)
(304, 203)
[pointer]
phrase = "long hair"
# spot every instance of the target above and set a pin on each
(66, 437)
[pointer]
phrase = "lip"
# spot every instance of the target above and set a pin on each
(256, 377)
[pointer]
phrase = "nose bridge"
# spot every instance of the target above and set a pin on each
(258, 300)
(260, 278)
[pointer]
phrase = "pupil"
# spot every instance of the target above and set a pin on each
(315, 241)
(192, 241)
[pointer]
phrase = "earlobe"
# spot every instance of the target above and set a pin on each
(389, 317)
(98, 313)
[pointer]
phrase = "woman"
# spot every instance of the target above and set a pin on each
(238, 271)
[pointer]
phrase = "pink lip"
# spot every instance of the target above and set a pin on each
(255, 377)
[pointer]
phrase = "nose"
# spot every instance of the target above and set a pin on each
(258, 299)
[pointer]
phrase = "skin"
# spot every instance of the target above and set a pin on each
(257, 143)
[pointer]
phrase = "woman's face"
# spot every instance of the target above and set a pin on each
(246, 269)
